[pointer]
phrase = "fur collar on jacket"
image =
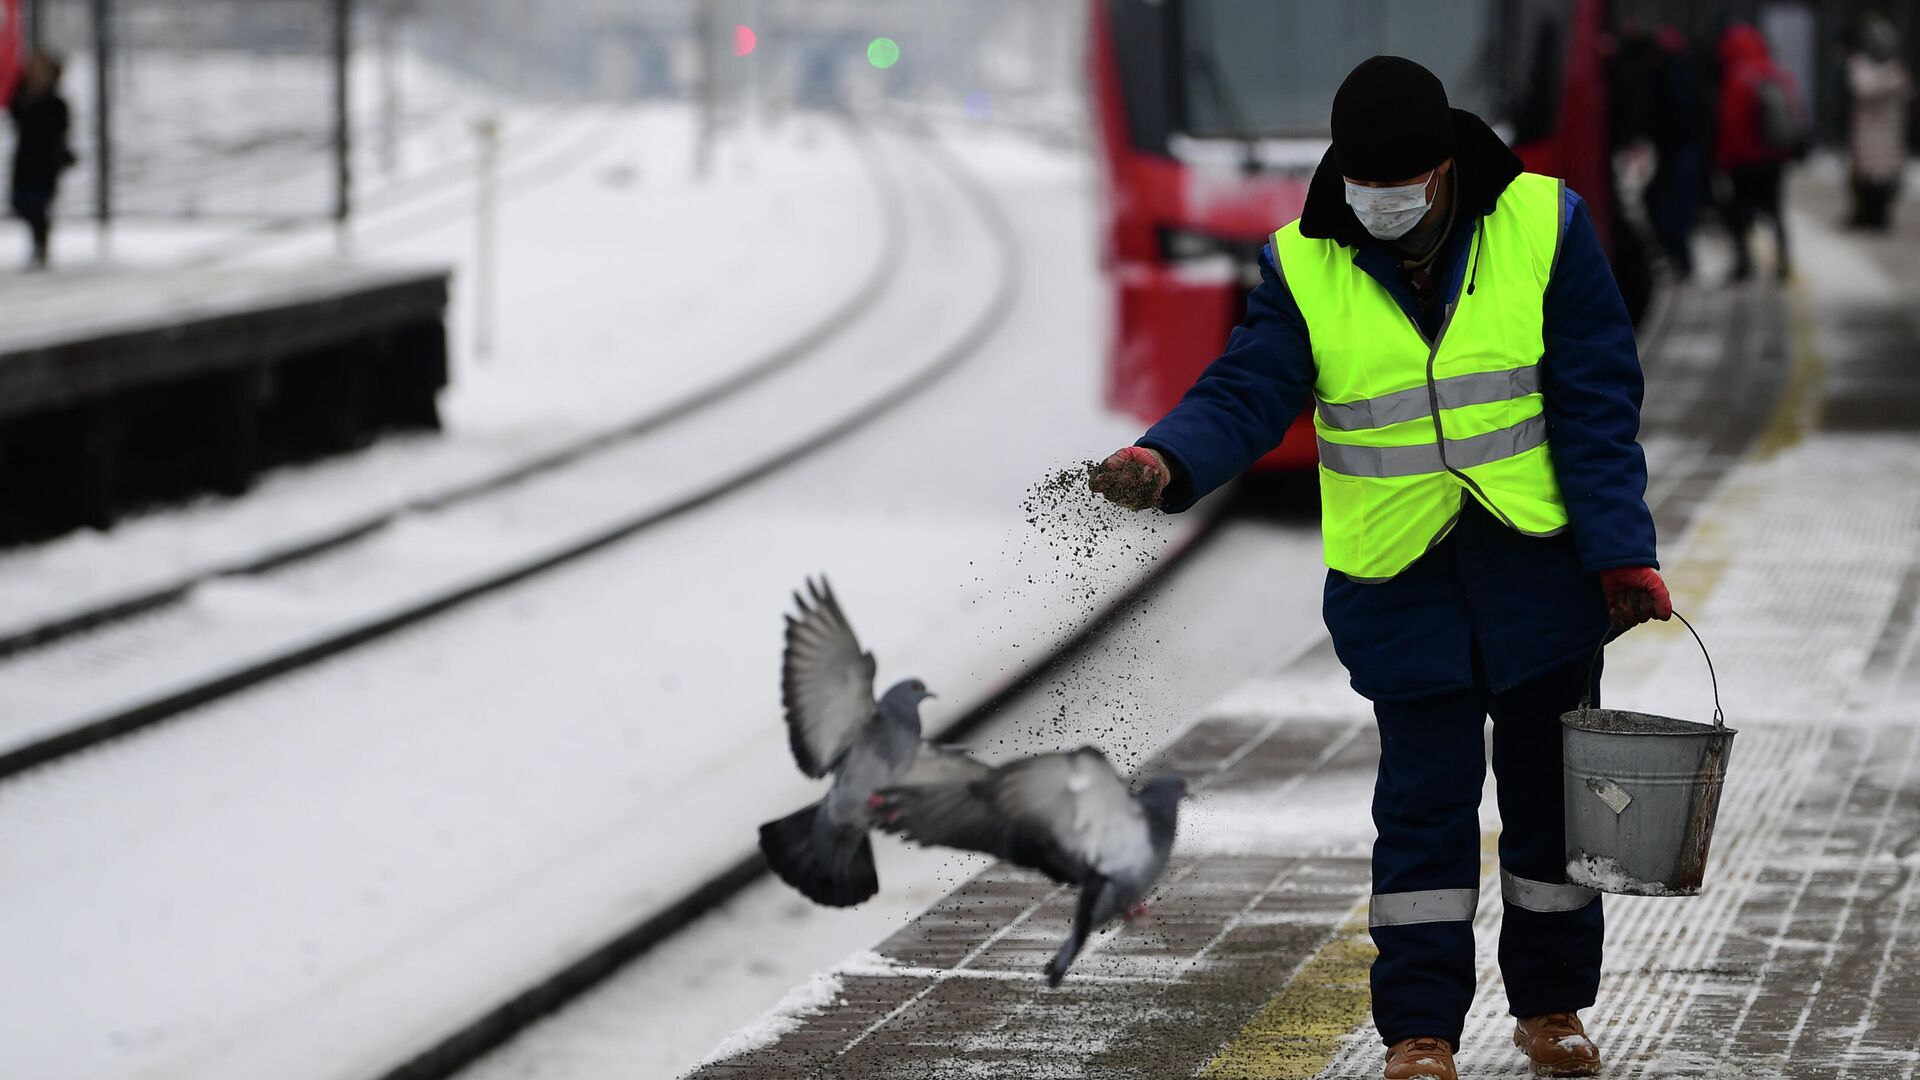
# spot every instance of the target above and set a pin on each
(1483, 167)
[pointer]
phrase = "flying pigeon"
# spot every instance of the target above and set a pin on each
(1067, 815)
(836, 727)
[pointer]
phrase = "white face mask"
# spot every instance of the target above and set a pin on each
(1390, 212)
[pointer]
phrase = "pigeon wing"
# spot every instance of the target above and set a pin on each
(961, 815)
(935, 764)
(1079, 809)
(826, 681)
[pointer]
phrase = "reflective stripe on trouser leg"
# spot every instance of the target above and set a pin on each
(1550, 946)
(1426, 906)
(1426, 860)
(1543, 896)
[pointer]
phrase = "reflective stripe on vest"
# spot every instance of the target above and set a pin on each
(1416, 402)
(1423, 458)
(1409, 427)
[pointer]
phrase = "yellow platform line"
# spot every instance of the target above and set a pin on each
(1798, 411)
(1296, 1035)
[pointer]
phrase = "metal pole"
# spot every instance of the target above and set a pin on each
(389, 88)
(487, 131)
(756, 81)
(704, 23)
(102, 110)
(36, 15)
(342, 128)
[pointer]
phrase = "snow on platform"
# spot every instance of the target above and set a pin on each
(128, 325)
(1800, 565)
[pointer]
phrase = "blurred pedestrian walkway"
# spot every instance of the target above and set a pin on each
(1822, 193)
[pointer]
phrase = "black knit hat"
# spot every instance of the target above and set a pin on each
(1391, 121)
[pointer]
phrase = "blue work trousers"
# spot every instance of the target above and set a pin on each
(1426, 859)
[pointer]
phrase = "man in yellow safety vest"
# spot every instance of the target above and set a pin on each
(1453, 323)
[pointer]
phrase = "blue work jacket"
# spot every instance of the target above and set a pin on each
(1525, 604)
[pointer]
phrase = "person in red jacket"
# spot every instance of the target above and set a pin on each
(1762, 126)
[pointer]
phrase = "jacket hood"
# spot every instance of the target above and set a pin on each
(1483, 167)
(1743, 46)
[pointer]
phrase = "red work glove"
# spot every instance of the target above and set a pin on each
(1133, 477)
(1634, 595)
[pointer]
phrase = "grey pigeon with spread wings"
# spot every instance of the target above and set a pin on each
(837, 729)
(1069, 816)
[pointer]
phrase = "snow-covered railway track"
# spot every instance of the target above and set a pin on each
(944, 281)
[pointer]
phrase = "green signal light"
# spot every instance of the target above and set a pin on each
(883, 52)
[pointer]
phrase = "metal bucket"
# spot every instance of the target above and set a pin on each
(1641, 793)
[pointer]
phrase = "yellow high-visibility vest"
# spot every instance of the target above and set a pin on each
(1408, 427)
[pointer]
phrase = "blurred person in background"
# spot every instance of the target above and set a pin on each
(1454, 323)
(1762, 126)
(1680, 126)
(1658, 102)
(1878, 88)
(1632, 80)
(40, 149)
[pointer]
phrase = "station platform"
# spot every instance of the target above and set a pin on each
(1794, 548)
(131, 385)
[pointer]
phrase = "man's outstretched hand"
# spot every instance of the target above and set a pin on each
(1133, 477)
(1634, 595)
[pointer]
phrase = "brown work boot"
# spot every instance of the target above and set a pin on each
(1557, 1045)
(1425, 1058)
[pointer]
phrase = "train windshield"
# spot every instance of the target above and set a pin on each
(1258, 69)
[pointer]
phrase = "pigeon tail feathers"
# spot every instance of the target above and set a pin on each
(839, 873)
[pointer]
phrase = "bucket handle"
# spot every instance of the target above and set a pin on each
(1719, 718)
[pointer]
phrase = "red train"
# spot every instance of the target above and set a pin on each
(1212, 115)
(12, 47)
